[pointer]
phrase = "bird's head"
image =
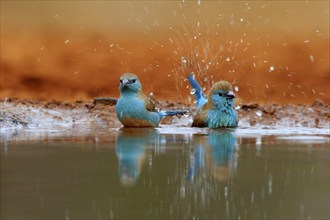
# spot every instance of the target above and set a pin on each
(221, 95)
(129, 83)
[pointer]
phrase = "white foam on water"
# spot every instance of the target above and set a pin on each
(247, 131)
(305, 139)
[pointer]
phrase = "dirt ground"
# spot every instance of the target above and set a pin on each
(16, 113)
(51, 77)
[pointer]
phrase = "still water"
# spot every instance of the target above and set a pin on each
(155, 174)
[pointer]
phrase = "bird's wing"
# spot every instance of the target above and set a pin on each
(200, 119)
(150, 106)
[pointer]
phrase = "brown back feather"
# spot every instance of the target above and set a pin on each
(150, 106)
(200, 120)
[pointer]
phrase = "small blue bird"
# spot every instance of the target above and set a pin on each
(134, 108)
(217, 110)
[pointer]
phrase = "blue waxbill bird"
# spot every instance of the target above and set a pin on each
(217, 110)
(134, 108)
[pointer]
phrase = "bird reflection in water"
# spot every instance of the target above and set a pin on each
(214, 153)
(130, 151)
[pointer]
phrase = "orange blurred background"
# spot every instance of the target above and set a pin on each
(271, 51)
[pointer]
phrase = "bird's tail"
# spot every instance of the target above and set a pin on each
(172, 112)
(198, 93)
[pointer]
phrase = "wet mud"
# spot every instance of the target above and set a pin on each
(18, 113)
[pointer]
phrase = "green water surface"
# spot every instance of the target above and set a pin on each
(144, 174)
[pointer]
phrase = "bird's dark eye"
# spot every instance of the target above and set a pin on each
(121, 81)
(133, 81)
(220, 94)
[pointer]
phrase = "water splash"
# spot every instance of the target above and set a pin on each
(259, 113)
(184, 60)
(271, 68)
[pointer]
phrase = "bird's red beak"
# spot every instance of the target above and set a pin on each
(230, 95)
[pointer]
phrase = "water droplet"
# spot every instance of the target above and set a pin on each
(183, 60)
(259, 113)
(271, 68)
(151, 94)
(67, 214)
(258, 141)
(236, 88)
(270, 184)
(150, 160)
(237, 107)
(192, 91)
(311, 57)
(67, 41)
(182, 192)
(228, 59)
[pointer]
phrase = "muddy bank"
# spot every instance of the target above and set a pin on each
(17, 113)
